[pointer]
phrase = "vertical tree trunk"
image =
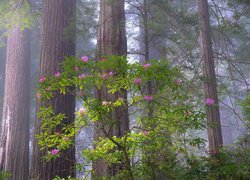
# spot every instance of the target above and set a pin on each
(213, 114)
(58, 42)
(2, 77)
(14, 142)
(145, 19)
(111, 41)
(150, 43)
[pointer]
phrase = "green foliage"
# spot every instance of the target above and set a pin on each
(13, 14)
(68, 178)
(4, 175)
(50, 135)
(160, 143)
(246, 108)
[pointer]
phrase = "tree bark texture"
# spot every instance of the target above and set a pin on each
(58, 42)
(213, 114)
(111, 41)
(2, 77)
(14, 142)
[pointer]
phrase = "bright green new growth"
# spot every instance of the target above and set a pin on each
(160, 144)
(15, 13)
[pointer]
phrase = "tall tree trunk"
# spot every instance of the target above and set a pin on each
(111, 41)
(2, 77)
(57, 43)
(213, 114)
(14, 142)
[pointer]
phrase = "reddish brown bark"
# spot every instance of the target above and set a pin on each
(58, 42)
(111, 41)
(14, 142)
(213, 114)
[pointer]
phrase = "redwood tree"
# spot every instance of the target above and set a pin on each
(14, 142)
(111, 41)
(58, 42)
(213, 114)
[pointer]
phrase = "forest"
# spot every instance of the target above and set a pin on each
(124, 89)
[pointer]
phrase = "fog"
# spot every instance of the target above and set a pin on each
(180, 46)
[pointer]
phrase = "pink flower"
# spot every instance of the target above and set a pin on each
(82, 111)
(137, 81)
(81, 76)
(209, 101)
(105, 76)
(103, 59)
(146, 66)
(148, 98)
(54, 151)
(110, 73)
(85, 58)
(38, 95)
(58, 74)
(145, 132)
(178, 82)
(76, 68)
(42, 79)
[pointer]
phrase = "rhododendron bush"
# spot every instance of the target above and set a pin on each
(163, 121)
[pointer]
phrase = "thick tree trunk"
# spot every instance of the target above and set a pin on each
(111, 41)
(112, 31)
(14, 142)
(58, 42)
(213, 114)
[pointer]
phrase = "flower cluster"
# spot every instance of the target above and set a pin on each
(137, 81)
(178, 82)
(148, 98)
(85, 59)
(42, 79)
(210, 101)
(81, 76)
(82, 111)
(58, 74)
(105, 76)
(145, 132)
(38, 95)
(76, 68)
(146, 66)
(54, 152)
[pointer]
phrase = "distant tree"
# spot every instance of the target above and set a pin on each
(111, 40)
(14, 139)
(167, 29)
(58, 42)
(210, 87)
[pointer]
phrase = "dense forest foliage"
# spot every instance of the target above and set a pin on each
(124, 89)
